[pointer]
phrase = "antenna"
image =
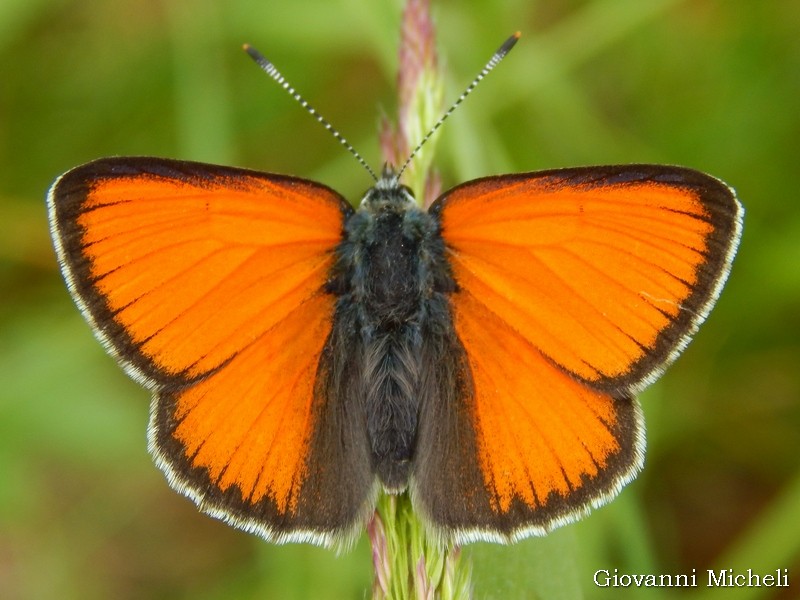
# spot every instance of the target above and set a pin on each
(270, 70)
(496, 58)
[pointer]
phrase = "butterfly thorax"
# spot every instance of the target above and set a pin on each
(390, 276)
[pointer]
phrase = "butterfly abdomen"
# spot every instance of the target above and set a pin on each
(388, 276)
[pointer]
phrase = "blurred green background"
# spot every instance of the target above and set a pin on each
(710, 84)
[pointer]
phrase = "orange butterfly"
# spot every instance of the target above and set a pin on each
(483, 355)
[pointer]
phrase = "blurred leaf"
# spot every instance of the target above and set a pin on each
(540, 568)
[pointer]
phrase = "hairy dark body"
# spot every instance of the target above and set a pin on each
(392, 281)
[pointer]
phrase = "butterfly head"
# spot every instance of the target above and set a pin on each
(388, 192)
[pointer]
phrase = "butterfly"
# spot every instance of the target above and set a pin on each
(304, 355)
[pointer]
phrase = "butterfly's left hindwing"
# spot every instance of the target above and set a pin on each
(208, 285)
(508, 445)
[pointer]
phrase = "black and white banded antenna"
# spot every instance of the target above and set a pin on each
(499, 55)
(270, 70)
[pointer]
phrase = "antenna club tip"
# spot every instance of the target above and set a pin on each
(255, 55)
(509, 44)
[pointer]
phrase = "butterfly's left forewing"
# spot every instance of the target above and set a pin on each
(208, 285)
(575, 288)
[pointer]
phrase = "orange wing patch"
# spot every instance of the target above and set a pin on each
(169, 256)
(248, 424)
(541, 434)
(606, 275)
